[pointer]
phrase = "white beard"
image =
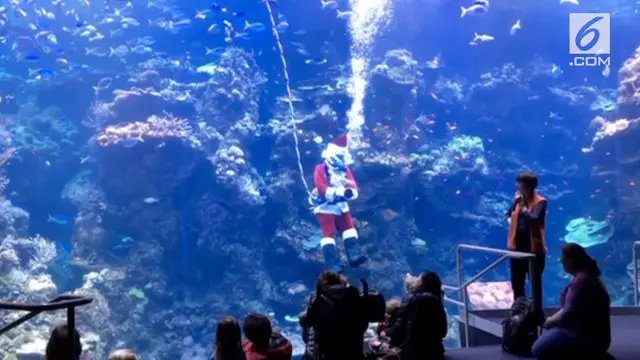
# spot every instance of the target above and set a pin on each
(338, 178)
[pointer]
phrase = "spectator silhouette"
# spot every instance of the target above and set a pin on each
(123, 354)
(335, 321)
(263, 343)
(58, 347)
(582, 327)
(228, 340)
(422, 323)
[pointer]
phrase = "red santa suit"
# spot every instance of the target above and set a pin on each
(335, 187)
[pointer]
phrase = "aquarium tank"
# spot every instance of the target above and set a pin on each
(159, 155)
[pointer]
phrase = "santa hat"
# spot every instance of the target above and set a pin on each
(341, 141)
(337, 147)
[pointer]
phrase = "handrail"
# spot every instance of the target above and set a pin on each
(636, 292)
(70, 302)
(462, 287)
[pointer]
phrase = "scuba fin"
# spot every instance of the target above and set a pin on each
(354, 254)
(331, 260)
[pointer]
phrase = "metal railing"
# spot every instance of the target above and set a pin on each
(69, 302)
(636, 292)
(463, 299)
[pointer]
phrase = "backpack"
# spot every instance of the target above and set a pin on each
(426, 326)
(520, 329)
(375, 307)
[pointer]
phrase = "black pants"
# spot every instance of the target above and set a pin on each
(519, 271)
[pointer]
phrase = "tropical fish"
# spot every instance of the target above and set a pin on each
(329, 4)
(58, 219)
(480, 38)
(147, 40)
(119, 51)
(99, 51)
(515, 28)
(202, 14)
(344, 14)
(141, 49)
(42, 72)
(151, 200)
(257, 27)
(103, 84)
(125, 21)
(473, 9)
(315, 61)
(215, 51)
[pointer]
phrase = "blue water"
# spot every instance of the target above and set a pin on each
(202, 207)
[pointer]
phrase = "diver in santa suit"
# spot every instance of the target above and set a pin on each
(335, 186)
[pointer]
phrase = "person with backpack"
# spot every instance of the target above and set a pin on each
(337, 318)
(581, 329)
(422, 324)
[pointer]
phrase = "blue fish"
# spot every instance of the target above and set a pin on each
(42, 72)
(32, 56)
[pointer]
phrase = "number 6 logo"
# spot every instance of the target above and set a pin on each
(586, 30)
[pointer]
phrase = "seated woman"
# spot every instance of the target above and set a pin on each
(58, 346)
(422, 323)
(582, 325)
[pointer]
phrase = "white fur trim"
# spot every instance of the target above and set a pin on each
(349, 233)
(333, 209)
(327, 241)
(330, 194)
(333, 149)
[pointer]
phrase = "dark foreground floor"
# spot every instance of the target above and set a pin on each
(625, 343)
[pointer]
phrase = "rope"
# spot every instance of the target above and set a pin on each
(274, 28)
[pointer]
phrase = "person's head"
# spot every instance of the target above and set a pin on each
(392, 309)
(411, 283)
(527, 182)
(337, 155)
(430, 282)
(576, 260)
(327, 279)
(228, 338)
(257, 329)
(123, 354)
(58, 346)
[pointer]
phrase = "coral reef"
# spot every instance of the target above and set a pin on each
(614, 150)
(191, 204)
(587, 232)
(615, 158)
(629, 86)
(490, 295)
